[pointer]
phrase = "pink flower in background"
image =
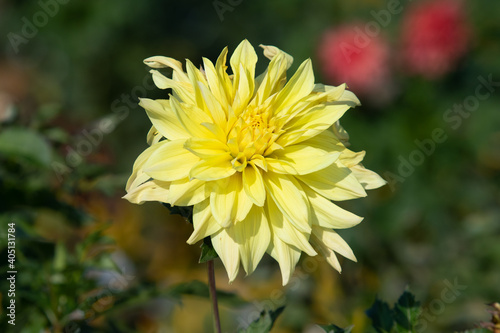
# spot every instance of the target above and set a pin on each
(435, 36)
(354, 55)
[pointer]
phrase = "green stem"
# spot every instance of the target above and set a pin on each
(213, 296)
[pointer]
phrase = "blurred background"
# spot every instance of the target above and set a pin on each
(71, 73)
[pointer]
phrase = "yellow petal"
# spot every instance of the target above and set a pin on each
(164, 119)
(223, 201)
(335, 182)
(165, 62)
(217, 132)
(279, 166)
(138, 176)
(300, 108)
(328, 142)
(271, 52)
(229, 202)
(153, 136)
(273, 79)
(191, 118)
(350, 158)
(259, 161)
(244, 92)
(204, 223)
(326, 252)
(326, 214)
(187, 192)
(254, 185)
(213, 106)
(369, 179)
(286, 256)
(243, 62)
(341, 133)
(285, 230)
(150, 191)
(220, 67)
(170, 161)
(228, 251)
(215, 84)
(213, 168)
(197, 81)
(184, 90)
(194, 74)
(333, 93)
(288, 195)
(244, 203)
(300, 85)
(311, 123)
(206, 148)
(333, 241)
(305, 159)
(253, 236)
(349, 98)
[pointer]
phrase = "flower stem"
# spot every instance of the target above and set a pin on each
(213, 296)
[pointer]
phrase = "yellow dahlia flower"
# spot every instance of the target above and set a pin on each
(260, 159)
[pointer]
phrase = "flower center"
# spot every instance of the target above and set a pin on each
(252, 137)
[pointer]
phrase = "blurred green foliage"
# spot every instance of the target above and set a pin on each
(265, 322)
(70, 129)
(405, 316)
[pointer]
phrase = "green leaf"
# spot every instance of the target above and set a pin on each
(27, 144)
(406, 311)
(335, 329)
(381, 316)
(186, 212)
(264, 323)
(207, 251)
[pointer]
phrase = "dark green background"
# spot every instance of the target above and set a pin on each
(441, 223)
